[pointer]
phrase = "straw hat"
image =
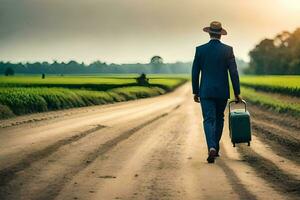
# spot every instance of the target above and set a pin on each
(216, 28)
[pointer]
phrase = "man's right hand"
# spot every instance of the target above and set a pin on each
(196, 98)
(238, 99)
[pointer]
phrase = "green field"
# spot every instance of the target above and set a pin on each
(267, 101)
(28, 94)
(289, 85)
(262, 90)
(99, 83)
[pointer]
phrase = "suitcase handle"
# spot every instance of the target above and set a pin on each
(233, 101)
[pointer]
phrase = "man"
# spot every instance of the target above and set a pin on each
(213, 60)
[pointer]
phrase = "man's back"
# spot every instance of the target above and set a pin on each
(213, 60)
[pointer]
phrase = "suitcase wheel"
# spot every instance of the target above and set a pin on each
(248, 143)
(233, 144)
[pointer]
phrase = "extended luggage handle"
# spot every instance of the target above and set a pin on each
(233, 101)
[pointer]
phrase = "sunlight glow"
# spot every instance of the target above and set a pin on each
(292, 5)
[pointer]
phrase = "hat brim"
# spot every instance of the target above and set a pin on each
(208, 30)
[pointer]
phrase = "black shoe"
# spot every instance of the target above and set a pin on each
(211, 156)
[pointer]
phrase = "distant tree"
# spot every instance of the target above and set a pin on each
(9, 71)
(157, 63)
(142, 79)
(156, 60)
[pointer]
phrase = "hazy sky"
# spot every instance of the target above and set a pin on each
(134, 30)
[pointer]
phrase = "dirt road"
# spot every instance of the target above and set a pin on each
(146, 149)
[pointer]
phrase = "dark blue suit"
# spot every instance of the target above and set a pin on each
(213, 60)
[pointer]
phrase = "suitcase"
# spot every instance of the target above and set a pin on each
(239, 125)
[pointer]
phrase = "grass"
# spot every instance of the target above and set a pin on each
(29, 94)
(98, 83)
(259, 90)
(268, 101)
(288, 85)
(63, 80)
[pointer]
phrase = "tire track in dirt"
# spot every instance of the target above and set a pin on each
(269, 171)
(164, 180)
(278, 135)
(285, 164)
(277, 148)
(9, 173)
(280, 132)
(53, 189)
(234, 180)
(125, 162)
(284, 121)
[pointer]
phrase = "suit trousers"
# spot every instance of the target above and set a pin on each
(213, 120)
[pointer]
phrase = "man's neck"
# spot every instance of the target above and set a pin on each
(213, 38)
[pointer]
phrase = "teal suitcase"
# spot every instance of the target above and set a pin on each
(239, 125)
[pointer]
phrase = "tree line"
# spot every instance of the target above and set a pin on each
(280, 55)
(73, 67)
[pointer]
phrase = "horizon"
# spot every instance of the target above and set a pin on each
(133, 31)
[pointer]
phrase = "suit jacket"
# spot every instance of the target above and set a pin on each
(214, 59)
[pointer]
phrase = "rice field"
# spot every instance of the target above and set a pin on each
(289, 85)
(278, 93)
(28, 94)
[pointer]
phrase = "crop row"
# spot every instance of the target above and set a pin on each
(268, 101)
(64, 80)
(288, 85)
(30, 100)
(23, 100)
(90, 83)
(76, 80)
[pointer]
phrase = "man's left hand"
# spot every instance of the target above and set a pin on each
(196, 98)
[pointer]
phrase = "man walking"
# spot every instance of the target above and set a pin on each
(213, 60)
